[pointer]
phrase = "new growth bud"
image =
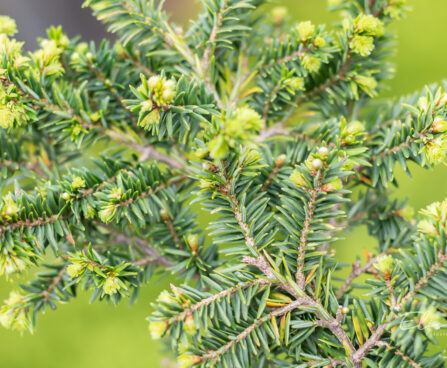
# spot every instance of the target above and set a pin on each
(111, 285)
(78, 182)
(385, 265)
(280, 160)
(298, 179)
(187, 360)
(158, 329)
(362, 45)
(439, 125)
(189, 325)
(193, 243)
(305, 30)
(75, 269)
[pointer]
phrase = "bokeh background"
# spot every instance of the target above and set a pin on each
(99, 335)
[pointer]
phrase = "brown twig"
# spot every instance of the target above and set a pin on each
(299, 275)
(398, 352)
(223, 294)
(46, 293)
(355, 272)
(249, 240)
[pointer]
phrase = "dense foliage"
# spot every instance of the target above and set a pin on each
(108, 151)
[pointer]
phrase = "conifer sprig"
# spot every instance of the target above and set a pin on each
(266, 126)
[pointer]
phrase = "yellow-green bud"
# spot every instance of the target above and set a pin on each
(10, 208)
(169, 84)
(187, 360)
(423, 103)
(280, 160)
(10, 264)
(430, 319)
(154, 82)
(436, 150)
(111, 286)
(164, 297)
(345, 310)
(305, 30)
(366, 81)
(6, 319)
(295, 83)
(385, 265)
(15, 299)
(116, 193)
(279, 13)
(333, 185)
(12, 316)
(393, 11)
(443, 99)
(66, 196)
(147, 105)
(95, 116)
(6, 118)
(189, 326)
(298, 179)
(319, 42)
(369, 24)
(427, 227)
(78, 182)
(407, 213)
(75, 269)
(362, 45)
(7, 25)
(168, 95)
(355, 127)
(158, 329)
(350, 133)
(439, 125)
(311, 63)
(91, 212)
(107, 213)
(22, 322)
(248, 118)
(152, 118)
(193, 242)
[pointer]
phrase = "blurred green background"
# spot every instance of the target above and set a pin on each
(99, 335)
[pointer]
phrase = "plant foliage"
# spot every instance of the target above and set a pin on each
(264, 124)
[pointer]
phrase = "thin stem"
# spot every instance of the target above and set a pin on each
(46, 293)
(153, 257)
(278, 165)
(147, 151)
(215, 354)
(333, 324)
(355, 272)
(245, 228)
(173, 232)
(213, 298)
(300, 276)
(425, 279)
(398, 352)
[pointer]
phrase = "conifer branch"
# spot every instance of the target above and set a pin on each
(404, 357)
(275, 134)
(299, 275)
